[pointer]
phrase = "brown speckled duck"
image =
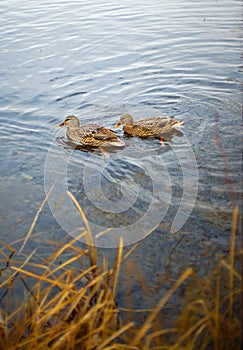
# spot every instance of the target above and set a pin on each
(92, 135)
(157, 127)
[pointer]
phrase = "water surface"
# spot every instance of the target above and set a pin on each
(99, 60)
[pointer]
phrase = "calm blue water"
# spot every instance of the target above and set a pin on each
(98, 60)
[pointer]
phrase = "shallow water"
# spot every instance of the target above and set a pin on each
(99, 60)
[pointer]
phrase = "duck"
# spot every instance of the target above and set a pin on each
(90, 134)
(157, 127)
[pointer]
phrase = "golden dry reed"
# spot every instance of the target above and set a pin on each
(68, 301)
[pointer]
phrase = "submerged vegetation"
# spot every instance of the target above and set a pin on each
(68, 301)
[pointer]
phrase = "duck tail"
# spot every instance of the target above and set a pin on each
(117, 143)
(177, 122)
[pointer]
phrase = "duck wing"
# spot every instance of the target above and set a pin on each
(90, 128)
(143, 130)
(102, 133)
(97, 131)
(163, 122)
(84, 131)
(155, 122)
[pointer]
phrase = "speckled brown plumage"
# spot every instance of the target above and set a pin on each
(93, 135)
(157, 127)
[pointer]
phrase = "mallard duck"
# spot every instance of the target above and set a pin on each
(92, 135)
(157, 127)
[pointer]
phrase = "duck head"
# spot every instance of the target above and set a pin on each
(125, 119)
(71, 121)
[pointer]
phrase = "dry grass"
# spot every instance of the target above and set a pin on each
(72, 304)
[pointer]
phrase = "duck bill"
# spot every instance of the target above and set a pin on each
(61, 125)
(117, 125)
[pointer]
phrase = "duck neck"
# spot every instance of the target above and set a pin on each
(127, 128)
(75, 125)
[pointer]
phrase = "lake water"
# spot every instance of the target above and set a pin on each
(98, 60)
